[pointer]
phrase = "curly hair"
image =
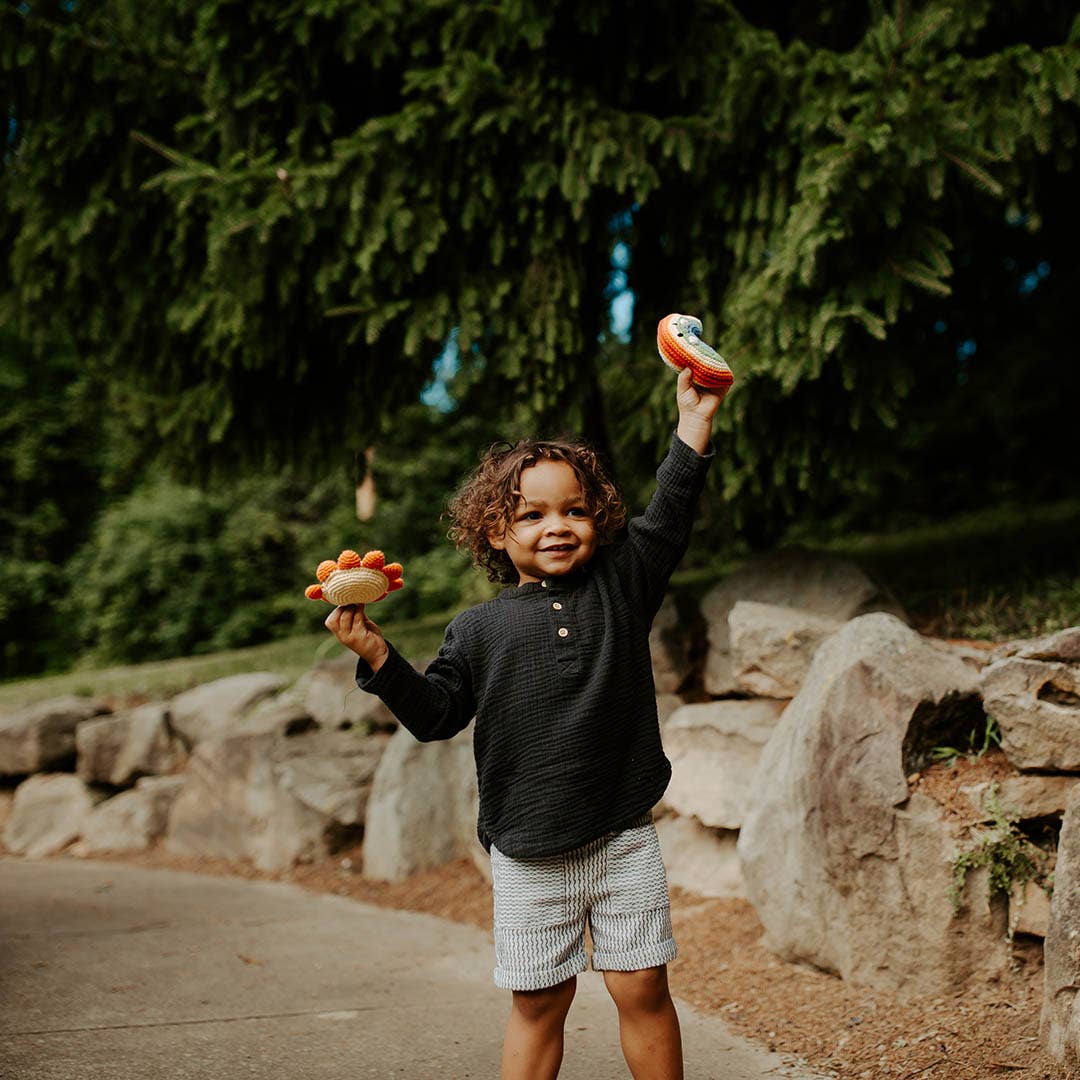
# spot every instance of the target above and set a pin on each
(488, 497)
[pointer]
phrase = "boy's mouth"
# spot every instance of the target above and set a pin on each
(556, 548)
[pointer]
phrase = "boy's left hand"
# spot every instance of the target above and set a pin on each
(697, 407)
(696, 400)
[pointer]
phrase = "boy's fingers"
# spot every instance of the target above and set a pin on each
(341, 618)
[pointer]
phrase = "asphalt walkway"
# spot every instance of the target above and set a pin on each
(114, 972)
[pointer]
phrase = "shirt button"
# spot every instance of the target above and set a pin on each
(557, 606)
(543, 584)
(563, 632)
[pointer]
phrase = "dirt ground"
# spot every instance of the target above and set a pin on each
(842, 1030)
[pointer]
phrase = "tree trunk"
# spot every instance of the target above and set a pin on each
(365, 488)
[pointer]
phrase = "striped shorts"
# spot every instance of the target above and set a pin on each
(615, 883)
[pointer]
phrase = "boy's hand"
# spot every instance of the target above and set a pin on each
(697, 407)
(356, 631)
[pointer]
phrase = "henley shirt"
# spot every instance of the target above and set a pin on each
(558, 675)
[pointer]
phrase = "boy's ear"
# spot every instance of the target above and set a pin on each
(496, 540)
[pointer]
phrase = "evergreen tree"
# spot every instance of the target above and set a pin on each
(262, 221)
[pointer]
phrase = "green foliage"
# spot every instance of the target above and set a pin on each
(1009, 855)
(990, 736)
(49, 491)
(264, 223)
(171, 570)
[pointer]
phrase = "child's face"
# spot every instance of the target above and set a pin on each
(552, 531)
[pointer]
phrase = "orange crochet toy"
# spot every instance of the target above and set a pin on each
(678, 339)
(355, 579)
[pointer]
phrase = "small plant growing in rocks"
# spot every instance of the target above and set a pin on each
(1004, 849)
(991, 736)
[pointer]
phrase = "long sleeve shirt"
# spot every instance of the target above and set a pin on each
(559, 677)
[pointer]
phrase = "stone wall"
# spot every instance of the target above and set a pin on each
(799, 712)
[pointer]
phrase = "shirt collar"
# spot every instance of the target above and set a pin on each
(564, 583)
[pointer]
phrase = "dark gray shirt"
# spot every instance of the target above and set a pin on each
(559, 677)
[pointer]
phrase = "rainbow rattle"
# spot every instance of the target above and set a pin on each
(678, 339)
(355, 579)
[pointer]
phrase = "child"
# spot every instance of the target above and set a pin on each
(556, 670)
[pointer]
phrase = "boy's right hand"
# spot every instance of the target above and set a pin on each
(356, 631)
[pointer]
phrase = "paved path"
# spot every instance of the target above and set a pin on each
(114, 972)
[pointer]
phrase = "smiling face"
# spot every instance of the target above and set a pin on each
(552, 531)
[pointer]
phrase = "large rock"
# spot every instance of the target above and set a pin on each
(772, 646)
(825, 585)
(1023, 796)
(118, 749)
(846, 870)
(330, 694)
(49, 812)
(423, 807)
(131, 821)
(274, 800)
(669, 646)
(1061, 647)
(1059, 1024)
(1029, 909)
(714, 749)
(42, 736)
(666, 707)
(702, 860)
(1034, 695)
(215, 708)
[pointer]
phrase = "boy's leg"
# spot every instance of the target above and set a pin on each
(533, 1047)
(648, 1024)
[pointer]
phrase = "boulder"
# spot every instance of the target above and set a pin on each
(214, 709)
(423, 808)
(1024, 796)
(49, 812)
(1061, 647)
(283, 715)
(772, 646)
(825, 585)
(131, 821)
(714, 749)
(700, 859)
(42, 736)
(1029, 909)
(666, 707)
(136, 742)
(330, 694)
(669, 645)
(1059, 1023)
(848, 871)
(271, 799)
(1034, 695)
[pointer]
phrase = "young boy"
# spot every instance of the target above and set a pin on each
(556, 670)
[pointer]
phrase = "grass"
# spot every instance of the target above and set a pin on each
(1008, 572)
(159, 679)
(1011, 571)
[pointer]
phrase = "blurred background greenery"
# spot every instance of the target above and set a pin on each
(253, 253)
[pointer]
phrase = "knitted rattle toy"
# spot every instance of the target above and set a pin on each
(355, 579)
(678, 338)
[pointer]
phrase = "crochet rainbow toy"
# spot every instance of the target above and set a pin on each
(678, 338)
(355, 579)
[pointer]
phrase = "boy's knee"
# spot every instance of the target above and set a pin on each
(645, 990)
(549, 1004)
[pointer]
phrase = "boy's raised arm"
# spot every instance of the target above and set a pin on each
(657, 539)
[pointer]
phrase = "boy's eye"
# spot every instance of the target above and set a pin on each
(530, 515)
(579, 510)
